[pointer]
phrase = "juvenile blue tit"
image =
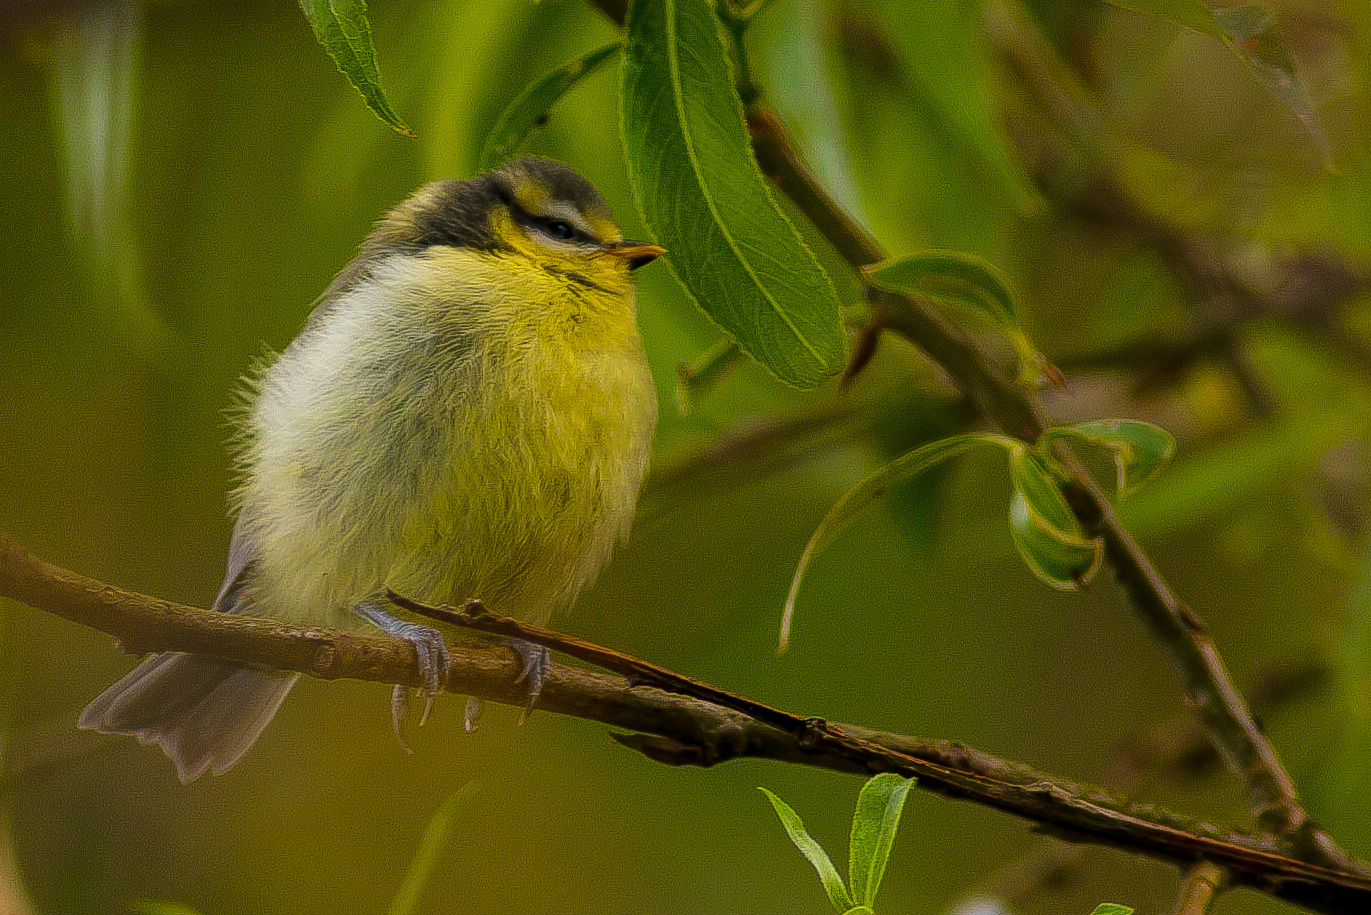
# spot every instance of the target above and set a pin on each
(467, 414)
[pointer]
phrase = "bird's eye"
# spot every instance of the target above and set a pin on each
(558, 229)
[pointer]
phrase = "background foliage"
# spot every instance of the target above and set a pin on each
(184, 177)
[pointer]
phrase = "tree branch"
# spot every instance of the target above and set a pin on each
(1251, 758)
(1182, 635)
(678, 730)
(1179, 751)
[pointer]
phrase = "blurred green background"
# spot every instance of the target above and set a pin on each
(183, 177)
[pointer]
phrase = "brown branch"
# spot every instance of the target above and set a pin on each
(1182, 635)
(675, 729)
(1250, 756)
(1178, 751)
(816, 735)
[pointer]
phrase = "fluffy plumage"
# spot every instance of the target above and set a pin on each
(468, 413)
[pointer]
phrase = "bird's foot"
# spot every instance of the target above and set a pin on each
(536, 663)
(431, 653)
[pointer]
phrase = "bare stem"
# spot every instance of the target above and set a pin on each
(676, 729)
(1202, 886)
(1182, 635)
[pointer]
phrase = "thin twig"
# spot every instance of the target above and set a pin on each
(1252, 759)
(1002, 789)
(679, 730)
(1178, 751)
(1182, 635)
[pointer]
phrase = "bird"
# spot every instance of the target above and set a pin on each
(467, 413)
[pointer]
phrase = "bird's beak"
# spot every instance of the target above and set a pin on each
(635, 253)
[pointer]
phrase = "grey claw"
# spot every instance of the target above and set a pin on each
(399, 708)
(537, 662)
(434, 659)
(430, 653)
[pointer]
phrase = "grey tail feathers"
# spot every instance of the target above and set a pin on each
(205, 713)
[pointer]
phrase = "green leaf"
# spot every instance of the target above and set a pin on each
(431, 846)
(964, 280)
(342, 28)
(1192, 14)
(1140, 449)
(1033, 476)
(1215, 482)
(703, 197)
(1247, 32)
(875, 485)
(874, 825)
(918, 508)
(1045, 530)
(530, 108)
(813, 852)
(96, 67)
(1112, 908)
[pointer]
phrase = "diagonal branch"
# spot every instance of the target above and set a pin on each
(1182, 635)
(676, 729)
(1250, 756)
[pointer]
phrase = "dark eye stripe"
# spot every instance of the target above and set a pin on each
(559, 229)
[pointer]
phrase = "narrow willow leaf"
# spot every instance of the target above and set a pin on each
(874, 825)
(431, 847)
(1032, 475)
(530, 108)
(859, 497)
(1045, 530)
(1057, 558)
(1192, 14)
(343, 29)
(1112, 908)
(961, 279)
(1247, 32)
(96, 66)
(696, 379)
(703, 196)
(1139, 449)
(918, 506)
(813, 852)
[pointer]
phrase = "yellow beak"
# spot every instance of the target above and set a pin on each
(635, 253)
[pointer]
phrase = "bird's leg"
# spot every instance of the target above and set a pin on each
(536, 664)
(430, 650)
